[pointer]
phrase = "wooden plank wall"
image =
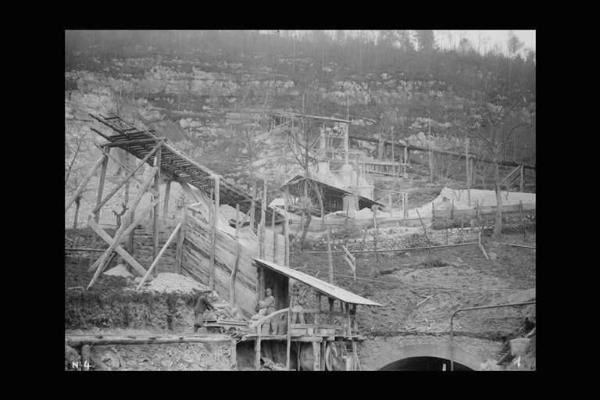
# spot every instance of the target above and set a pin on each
(196, 260)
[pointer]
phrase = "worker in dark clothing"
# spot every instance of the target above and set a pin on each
(201, 306)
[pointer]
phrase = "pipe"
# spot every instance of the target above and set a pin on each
(470, 309)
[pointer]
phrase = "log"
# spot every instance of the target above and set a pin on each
(329, 256)
(156, 217)
(285, 229)
(166, 204)
(237, 256)
(180, 240)
(98, 340)
(101, 185)
(157, 258)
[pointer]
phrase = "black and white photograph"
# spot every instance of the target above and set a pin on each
(300, 200)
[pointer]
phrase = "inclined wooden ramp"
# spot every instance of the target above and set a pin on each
(174, 163)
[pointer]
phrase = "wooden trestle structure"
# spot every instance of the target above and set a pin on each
(170, 163)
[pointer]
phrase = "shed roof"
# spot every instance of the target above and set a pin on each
(324, 287)
(363, 201)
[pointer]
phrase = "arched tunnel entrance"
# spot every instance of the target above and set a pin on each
(424, 364)
(433, 354)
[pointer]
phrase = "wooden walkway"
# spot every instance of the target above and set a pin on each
(173, 163)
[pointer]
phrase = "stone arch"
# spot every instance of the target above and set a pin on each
(431, 350)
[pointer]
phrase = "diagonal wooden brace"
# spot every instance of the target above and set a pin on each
(173, 234)
(121, 233)
(118, 249)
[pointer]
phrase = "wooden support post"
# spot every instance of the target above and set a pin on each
(131, 174)
(376, 233)
(430, 153)
(130, 239)
(253, 206)
(522, 180)
(156, 217)
(522, 219)
(318, 308)
(166, 205)
(468, 172)
(274, 236)
(348, 326)
(237, 257)
(316, 346)
(180, 241)
(263, 213)
(84, 182)
(213, 243)
(101, 185)
(131, 210)
(393, 155)
(102, 261)
(405, 161)
(285, 229)
(405, 205)
(289, 326)
(155, 262)
(329, 255)
(331, 303)
(257, 350)
(390, 204)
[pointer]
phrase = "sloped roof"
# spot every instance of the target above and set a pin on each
(365, 201)
(324, 287)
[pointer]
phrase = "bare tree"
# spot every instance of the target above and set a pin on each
(74, 171)
(301, 146)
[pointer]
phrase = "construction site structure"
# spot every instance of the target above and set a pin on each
(238, 263)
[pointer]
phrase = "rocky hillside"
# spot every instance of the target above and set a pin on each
(203, 101)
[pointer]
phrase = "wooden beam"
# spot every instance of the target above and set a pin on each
(289, 329)
(274, 236)
(522, 180)
(118, 249)
(135, 203)
(285, 229)
(214, 219)
(234, 270)
(263, 210)
(84, 182)
(329, 255)
(116, 189)
(157, 258)
(166, 204)
(180, 241)
(156, 218)
(77, 340)
(101, 185)
(116, 240)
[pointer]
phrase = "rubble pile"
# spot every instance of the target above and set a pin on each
(169, 282)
